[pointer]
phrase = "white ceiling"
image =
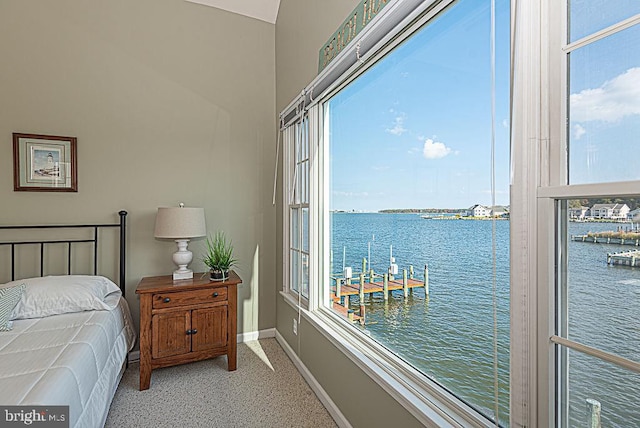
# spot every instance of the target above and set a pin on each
(265, 10)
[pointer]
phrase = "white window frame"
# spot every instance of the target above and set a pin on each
(424, 399)
(292, 136)
(538, 180)
(555, 188)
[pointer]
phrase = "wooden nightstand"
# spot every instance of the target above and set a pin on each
(185, 321)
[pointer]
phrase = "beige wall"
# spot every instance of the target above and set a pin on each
(171, 102)
(303, 26)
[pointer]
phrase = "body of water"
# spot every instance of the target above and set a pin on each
(449, 335)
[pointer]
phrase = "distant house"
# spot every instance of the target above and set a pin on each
(479, 211)
(499, 211)
(610, 211)
(579, 213)
(634, 215)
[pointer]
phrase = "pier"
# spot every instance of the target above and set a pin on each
(606, 240)
(624, 258)
(347, 285)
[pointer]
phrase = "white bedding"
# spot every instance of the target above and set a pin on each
(73, 359)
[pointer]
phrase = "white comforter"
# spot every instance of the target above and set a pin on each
(71, 359)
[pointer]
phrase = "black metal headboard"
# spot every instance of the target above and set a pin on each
(70, 242)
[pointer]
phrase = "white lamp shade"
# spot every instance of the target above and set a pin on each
(180, 223)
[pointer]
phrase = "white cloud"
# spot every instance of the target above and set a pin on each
(615, 99)
(434, 150)
(578, 131)
(398, 125)
(505, 123)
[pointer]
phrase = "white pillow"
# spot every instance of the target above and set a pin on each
(52, 295)
(9, 298)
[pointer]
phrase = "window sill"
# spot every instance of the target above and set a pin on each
(427, 402)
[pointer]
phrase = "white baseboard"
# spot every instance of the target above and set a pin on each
(328, 403)
(134, 356)
(255, 335)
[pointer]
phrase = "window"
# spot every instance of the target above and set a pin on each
(412, 129)
(409, 143)
(568, 296)
(597, 355)
(296, 142)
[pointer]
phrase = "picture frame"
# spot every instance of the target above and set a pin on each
(44, 163)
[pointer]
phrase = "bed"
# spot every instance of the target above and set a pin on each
(68, 336)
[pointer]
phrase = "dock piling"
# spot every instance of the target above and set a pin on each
(361, 296)
(385, 287)
(410, 271)
(405, 284)
(371, 276)
(593, 413)
(426, 280)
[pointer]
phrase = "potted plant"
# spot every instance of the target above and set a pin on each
(219, 256)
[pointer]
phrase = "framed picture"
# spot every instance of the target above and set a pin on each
(44, 163)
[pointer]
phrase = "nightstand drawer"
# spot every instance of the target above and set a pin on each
(192, 297)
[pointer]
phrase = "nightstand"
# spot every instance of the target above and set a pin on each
(185, 321)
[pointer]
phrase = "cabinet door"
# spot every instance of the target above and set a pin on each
(169, 334)
(211, 326)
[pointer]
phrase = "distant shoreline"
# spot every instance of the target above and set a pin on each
(407, 211)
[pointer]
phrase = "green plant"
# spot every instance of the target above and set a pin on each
(219, 255)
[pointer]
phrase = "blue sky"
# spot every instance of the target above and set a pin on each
(414, 131)
(605, 103)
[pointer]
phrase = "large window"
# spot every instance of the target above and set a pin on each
(410, 203)
(598, 312)
(475, 251)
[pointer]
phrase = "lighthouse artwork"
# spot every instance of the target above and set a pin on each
(45, 162)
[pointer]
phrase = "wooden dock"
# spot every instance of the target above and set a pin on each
(349, 314)
(624, 258)
(605, 240)
(343, 288)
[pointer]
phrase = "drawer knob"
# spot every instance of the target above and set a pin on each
(215, 294)
(166, 300)
(194, 331)
(189, 332)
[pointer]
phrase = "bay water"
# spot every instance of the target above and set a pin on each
(448, 335)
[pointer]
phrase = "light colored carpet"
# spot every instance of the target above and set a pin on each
(265, 391)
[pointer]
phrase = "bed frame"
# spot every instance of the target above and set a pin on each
(96, 227)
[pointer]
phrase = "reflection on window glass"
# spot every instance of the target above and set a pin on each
(604, 109)
(589, 16)
(600, 309)
(409, 145)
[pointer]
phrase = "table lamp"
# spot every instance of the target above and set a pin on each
(180, 224)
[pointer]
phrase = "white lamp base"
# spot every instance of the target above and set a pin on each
(182, 258)
(177, 274)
